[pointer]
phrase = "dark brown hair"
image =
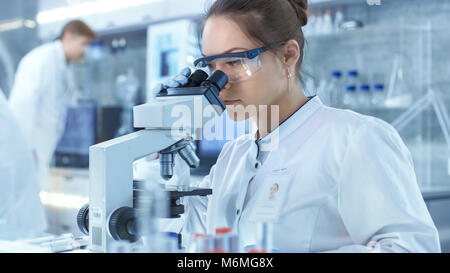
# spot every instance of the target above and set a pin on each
(79, 28)
(267, 21)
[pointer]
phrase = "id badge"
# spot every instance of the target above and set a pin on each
(271, 197)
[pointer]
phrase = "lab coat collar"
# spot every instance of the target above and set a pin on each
(60, 53)
(271, 141)
(260, 149)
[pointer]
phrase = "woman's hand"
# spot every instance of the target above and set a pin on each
(173, 82)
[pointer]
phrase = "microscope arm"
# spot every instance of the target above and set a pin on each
(110, 166)
(171, 117)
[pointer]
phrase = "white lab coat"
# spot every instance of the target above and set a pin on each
(39, 100)
(346, 184)
(20, 205)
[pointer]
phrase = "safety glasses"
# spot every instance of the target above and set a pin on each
(239, 66)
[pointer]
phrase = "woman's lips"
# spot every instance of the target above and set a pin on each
(231, 102)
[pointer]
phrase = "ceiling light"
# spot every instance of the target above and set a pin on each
(29, 23)
(86, 9)
(11, 25)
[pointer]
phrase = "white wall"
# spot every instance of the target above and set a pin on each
(140, 15)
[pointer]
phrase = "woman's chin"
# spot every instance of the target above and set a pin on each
(237, 116)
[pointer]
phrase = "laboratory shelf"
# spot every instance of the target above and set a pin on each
(317, 4)
(369, 33)
(436, 193)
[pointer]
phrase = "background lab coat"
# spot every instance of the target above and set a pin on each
(20, 205)
(40, 99)
(352, 185)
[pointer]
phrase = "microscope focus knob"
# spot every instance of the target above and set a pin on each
(122, 224)
(83, 219)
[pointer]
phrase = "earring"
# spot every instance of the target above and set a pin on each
(289, 74)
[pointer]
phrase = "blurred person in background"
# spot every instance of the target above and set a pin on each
(20, 207)
(41, 95)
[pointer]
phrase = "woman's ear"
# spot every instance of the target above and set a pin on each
(291, 53)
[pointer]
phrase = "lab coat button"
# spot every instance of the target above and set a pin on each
(257, 165)
(237, 212)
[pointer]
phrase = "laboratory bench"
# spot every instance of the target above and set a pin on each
(68, 191)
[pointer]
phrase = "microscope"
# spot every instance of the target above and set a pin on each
(168, 121)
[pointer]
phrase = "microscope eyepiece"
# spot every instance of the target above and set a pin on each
(196, 78)
(218, 78)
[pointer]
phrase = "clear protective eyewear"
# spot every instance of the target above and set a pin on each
(239, 66)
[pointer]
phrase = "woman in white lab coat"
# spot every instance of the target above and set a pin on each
(20, 206)
(328, 179)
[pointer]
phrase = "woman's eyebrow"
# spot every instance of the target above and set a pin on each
(229, 50)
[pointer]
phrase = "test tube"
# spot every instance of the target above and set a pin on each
(205, 244)
(224, 241)
(67, 244)
(264, 238)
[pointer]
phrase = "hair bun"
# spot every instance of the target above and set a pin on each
(300, 7)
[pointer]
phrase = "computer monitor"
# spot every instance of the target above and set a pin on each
(79, 134)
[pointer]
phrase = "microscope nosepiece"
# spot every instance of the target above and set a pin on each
(188, 154)
(166, 165)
